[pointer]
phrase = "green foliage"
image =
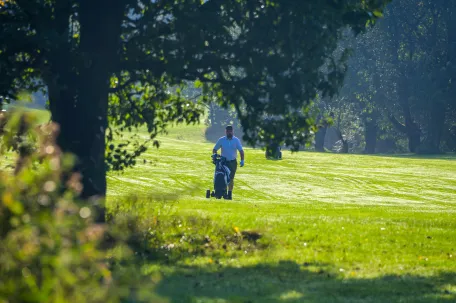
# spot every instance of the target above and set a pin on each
(155, 106)
(49, 244)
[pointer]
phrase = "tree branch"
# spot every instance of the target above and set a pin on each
(119, 88)
(398, 125)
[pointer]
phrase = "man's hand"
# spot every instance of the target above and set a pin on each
(214, 157)
(242, 163)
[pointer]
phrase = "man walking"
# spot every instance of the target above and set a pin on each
(230, 144)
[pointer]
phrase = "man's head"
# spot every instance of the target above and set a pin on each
(229, 131)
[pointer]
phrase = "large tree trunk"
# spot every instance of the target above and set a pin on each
(431, 144)
(80, 105)
(320, 139)
(82, 121)
(414, 138)
(412, 129)
(409, 128)
(370, 134)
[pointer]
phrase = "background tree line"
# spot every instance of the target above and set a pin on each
(399, 92)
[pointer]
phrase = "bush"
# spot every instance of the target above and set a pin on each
(49, 242)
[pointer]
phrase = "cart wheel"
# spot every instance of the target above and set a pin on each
(208, 193)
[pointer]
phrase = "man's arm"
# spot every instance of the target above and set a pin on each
(240, 149)
(241, 152)
(216, 147)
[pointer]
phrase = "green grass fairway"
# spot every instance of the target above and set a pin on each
(339, 228)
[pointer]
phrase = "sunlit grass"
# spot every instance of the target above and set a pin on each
(334, 228)
(341, 228)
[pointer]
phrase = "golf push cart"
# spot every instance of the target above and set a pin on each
(221, 178)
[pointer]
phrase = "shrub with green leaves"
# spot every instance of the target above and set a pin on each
(49, 243)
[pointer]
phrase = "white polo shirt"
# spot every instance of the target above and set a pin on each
(229, 147)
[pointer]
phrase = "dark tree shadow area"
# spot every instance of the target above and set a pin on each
(291, 282)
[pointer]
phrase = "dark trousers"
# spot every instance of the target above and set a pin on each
(232, 165)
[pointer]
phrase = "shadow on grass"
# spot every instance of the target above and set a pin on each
(160, 241)
(291, 282)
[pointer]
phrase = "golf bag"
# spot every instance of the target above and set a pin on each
(221, 178)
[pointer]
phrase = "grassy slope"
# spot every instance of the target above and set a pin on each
(343, 228)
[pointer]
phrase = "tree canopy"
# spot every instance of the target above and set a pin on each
(114, 64)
